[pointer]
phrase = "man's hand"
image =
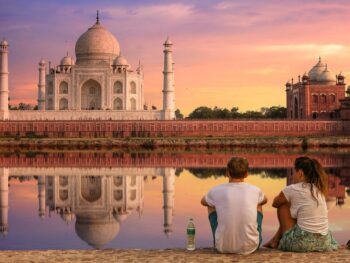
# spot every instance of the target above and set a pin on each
(204, 202)
(263, 201)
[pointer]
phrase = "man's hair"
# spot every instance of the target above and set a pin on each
(237, 167)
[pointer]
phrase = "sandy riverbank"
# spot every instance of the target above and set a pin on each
(168, 255)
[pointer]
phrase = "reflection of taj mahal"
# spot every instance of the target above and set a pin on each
(99, 203)
(100, 84)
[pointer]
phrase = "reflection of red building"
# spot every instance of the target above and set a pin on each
(315, 95)
(336, 186)
(336, 189)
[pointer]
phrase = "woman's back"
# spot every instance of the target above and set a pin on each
(310, 212)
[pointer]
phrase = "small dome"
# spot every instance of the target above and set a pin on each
(67, 216)
(326, 76)
(42, 62)
(348, 92)
(120, 217)
(316, 70)
(168, 42)
(121, 61)
(4, 42)
(67, 61)
(97, 43)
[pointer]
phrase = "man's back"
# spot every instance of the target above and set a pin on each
(236, 208)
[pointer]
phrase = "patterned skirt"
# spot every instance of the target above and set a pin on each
(299, 240)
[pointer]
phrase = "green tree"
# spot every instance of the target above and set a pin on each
(275, 112)
(201, 113)
(178, 115)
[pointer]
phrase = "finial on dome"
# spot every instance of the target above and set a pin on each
(319, 58)
(97, 17)
(168, 42)
(326, 67)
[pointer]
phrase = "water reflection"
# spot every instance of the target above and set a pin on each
(98, 201)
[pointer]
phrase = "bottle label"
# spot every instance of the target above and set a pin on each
(191, 231)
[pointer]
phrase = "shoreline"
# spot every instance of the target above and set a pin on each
(169, 255)
(180, 143)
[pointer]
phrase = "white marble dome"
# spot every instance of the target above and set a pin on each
(327, 76)
(121, 61)
(316, 70)
(67, 61)
(97, 43)
(97, 234)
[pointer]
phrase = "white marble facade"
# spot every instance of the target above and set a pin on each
(100, 80)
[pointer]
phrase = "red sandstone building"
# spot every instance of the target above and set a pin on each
(316, 95)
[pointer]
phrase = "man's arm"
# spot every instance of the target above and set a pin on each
(204, 202)
(264, 201)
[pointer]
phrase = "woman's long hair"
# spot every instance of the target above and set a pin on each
(314, 175)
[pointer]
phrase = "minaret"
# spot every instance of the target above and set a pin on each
(168, 82)
(4, 81)
(41, 196)
(168, 199)
(41, 85)
(4, 200)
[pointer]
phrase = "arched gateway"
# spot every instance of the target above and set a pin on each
(91, 95)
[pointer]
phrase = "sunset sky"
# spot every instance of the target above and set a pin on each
(227, 53)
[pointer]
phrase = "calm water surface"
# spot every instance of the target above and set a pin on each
(118, 201)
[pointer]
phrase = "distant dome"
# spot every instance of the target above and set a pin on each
(97, 43)
(326, 76)
(348, 92)
(120, 217)
(4, 43)
(67, 216)
(316, 70)
(97, 234)
(168, 41)
(42, 62)
(121, 61)
(67, 61)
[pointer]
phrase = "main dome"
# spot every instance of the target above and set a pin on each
(97, 43)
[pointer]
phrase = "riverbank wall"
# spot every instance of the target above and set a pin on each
(183, 128)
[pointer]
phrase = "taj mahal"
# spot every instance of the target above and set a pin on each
(99, 85)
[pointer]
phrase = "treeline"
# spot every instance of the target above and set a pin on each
(23, 106)
(274, 112)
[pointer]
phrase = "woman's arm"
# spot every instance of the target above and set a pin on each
(279, 200)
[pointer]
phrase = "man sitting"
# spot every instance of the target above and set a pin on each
(235, 211)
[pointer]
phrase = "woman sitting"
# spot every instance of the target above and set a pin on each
(302, 211)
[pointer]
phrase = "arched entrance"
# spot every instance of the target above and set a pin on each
(296, 108)
(91, 188)
(91, 95)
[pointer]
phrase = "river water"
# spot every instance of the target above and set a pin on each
(82, 200)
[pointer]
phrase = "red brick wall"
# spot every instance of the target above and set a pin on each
(54, 129)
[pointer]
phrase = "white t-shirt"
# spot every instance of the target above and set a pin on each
(236, 207)
(310, 216)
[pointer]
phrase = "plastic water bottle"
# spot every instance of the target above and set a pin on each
(191, 233)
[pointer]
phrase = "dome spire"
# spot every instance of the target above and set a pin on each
(97, 17)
